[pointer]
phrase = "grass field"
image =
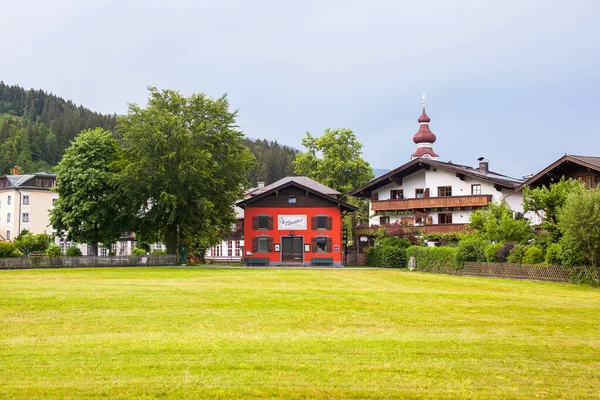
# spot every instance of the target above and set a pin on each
(293, 333)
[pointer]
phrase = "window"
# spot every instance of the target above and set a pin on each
(321, 222)
(396, 194)
(54, 201)
(103, 251)
(292, 199)
(597, 180)
(444, 218)
(588, 181)
(25, 199)
(419, 193)
(444, 191)
(230, 248)
(262, 222)
(262, 244)
(475, 189)
(321, 244)
(7, 235)
(7, 217)
(8, 200)
(25, 217)
(384, 220)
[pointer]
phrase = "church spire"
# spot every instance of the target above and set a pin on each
(424, 138)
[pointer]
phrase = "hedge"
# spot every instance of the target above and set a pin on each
(434, 259)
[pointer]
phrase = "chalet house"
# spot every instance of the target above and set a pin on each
(294, 221)
(436, 196)
(24, 204)
(586, 169)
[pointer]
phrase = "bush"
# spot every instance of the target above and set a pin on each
(53, 251)
(516, 254)
(471, 249)
(138, 252)
(491, 252)
(158, 253)
(434, 259)
(553, 252)
(373, 256)
(393, 257)
(7, 249)
(504, 251)
(73, 252)
(533, 255)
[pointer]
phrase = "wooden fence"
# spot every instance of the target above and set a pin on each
(85, 261)
(536, 272)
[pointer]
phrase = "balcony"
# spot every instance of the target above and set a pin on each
(481, 200)
(423, 229)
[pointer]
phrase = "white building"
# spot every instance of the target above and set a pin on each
(437, 195)
(25, 201)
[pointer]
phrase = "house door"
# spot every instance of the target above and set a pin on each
(291, 250)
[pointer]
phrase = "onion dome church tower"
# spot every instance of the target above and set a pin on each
(424, 138)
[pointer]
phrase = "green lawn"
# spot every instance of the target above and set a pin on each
(293, 333)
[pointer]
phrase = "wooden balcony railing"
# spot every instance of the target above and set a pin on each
(481, 200)
(424, 229)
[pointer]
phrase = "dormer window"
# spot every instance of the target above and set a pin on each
(292, 199)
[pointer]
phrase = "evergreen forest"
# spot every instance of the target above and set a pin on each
(36, 128)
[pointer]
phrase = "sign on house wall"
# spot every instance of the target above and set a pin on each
(291, 222)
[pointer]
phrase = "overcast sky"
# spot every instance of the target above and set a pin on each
(514, 81)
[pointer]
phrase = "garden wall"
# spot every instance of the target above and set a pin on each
(536, 272)
(85, 261)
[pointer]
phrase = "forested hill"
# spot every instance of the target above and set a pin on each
(274, 161)
(36, 127)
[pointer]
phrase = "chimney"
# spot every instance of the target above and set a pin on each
(484, 164)
(15, 171)
(261, 185)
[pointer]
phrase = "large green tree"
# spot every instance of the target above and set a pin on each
(549, 200)
(579, 222)
(184, 167)
(90, 207)
(497, 223)
(335, 160)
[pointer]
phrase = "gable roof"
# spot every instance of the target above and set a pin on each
(425, 163)
(304, 183)
(20, 181)
(302, 180)
(584, 161)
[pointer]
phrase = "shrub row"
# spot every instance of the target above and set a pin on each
(434, 259)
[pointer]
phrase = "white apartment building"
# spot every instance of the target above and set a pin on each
(25, 201)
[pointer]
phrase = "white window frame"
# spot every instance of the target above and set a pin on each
(25, 197)
(25, 218)
(8, 218)
(9, 200)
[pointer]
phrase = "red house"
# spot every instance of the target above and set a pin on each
(294, 221)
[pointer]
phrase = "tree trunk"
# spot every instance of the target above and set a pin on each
(171, 239)
(95, 249)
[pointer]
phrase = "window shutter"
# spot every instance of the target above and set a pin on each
(254, 245)
(427, 192)
(254, 223)
(270, 223)
(329, 245)
(313, 223)
(314, 245)
(375, 196)
(329, 223)
(270, 245)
